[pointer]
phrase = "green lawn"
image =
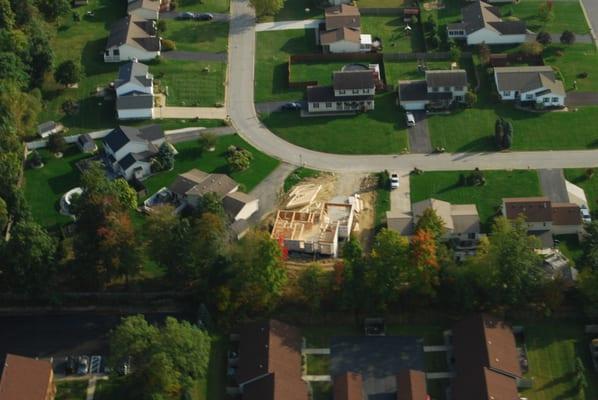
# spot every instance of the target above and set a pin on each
(575, 59)
(191, 83)
(71, 390)
(589, 185)
(297, 176)
(435, 361)
(296, 10)
(198, 35)
(320, 72)
(391, 29)
(213, 6)
(569, 245)
(272, 56)
(190, 157)
(383, 3)
(552, 350)
(382, 205)
(375, 132)
(321, 390)
(318, 364)
(568, 16)
(488, 198)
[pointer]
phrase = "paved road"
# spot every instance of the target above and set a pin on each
(419, 135)
(184, 135)
(287, 25)
(590, 8)
(218, 17)
(552, 182)
(244, 118)
(194, 56)
(581, 99)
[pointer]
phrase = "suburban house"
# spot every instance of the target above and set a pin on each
(86, 144)
(26, 378)
(530, 84)
(189, 187)
(543, 215)
(147, 9)
(48, 128)
(129, 151)
(350, 91)
(269, 362)
(134, 91)
(481, 23)
(439, 90)
(487, 361)
(341, 31)
(131, 38)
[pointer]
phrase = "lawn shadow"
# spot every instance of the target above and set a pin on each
(563, 379)
(481, 144)
(92, 58)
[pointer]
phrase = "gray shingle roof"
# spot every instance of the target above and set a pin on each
(153, 5)
(456, 78)
(199, 183)
(326, 94)
(136, 73)
(234, 202)
(413, 90)
(480, 14)
(343, 80)
(134, 101)
(526, 79)
(122, 135)
(135, 31)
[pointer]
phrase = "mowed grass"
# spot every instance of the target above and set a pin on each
(320, 72)
(298, 176)
(191, 83)
(568, 16)
(71, 390)
(552, 351)
(391, 29)
(205, 36)
(383, 3)
(488, 198)
(575, 59)
(272, 55)
(318, 364)
(190, 156)
(212, 6)
(295, 10)
(411, 70)
(381, 131)
(579, 177)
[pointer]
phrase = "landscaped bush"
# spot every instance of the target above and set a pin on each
(582, 75)
(70, 107)
(168, 45)
(238, 159)
(568, 37)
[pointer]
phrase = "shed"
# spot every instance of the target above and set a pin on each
(86, 144)
(48, 128)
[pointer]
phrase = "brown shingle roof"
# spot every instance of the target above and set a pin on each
(348, 386)
(198, 183)
(347, 80)
(270, 355)
(566, 214)
(24, 378)
(342, 16)
(411, 385)
(336, 35)
(534, 209)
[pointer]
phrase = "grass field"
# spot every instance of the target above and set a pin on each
(568, 16)
(589, 185)
(320, 72)
(297, 176)
(445, 186)
(295, 10)
(381, 131)
(391, 29)
(198, 35)
(272, 56)
(577, 58)
(383, 3)
(191, 83)
(71, 390)
(318, 364)
(382, 205)
(213, 6)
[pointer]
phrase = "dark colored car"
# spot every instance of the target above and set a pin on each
(186, 15)
(291, 106)
(204, 17)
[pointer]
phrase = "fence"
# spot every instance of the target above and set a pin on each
(417, 56)
(39, 144)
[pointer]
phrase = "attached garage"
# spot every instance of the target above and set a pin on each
(413, 95)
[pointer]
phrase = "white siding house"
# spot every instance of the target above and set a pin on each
(530, 84)
(132, 38)
(440, 89)
(134, 91)
(350, 91)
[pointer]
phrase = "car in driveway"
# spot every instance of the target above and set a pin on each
(186, 16)
(410, 119)
(83, 365)
(394, 180)
(585, 214)
(291, 106)
(204, 17)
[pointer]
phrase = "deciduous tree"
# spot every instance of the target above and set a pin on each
(567, 37)
(13, 70)
(67, 73)
(52, 9)
(56, 143)
(544, 38)
(310, 286)
(430, 221)
(266, 7)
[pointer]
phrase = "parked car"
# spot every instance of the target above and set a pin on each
(585, 214)
(83, 365)
(394, 180)
(291, 106)
(410, 119)
(186, 16)
(204, 17)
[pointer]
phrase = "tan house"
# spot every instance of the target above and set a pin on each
(26, 378)
(440, 89)
(350, 91)
(148, 9)
(341, 32)
(541, 214)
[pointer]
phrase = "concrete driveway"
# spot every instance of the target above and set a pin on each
(288, 25)
(400, 198)
(419, 135)
(191, 112)
(575, 99)
(552, 182)
(186, 134)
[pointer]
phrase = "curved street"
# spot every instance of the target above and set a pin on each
(241, 110)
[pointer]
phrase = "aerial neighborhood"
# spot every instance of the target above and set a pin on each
(298, 200)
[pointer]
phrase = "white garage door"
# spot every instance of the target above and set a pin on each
(413, 105)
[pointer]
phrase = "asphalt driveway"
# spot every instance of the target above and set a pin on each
(552, 182)
(419, 135)
(575, 99)
(272, 106)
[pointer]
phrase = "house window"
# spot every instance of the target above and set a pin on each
(338, 104)
(441, 88)
(107, 53)
(546, 100)
(116, 52)
(464, 89)
(316, 105)
(355, 91)
(328, 105)
(529, 96)
(434, 89)
(506, 93)
(341, 92)
(555, 99)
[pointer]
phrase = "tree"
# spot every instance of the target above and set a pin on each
(166, 156)
(424, 272)
(7, 16)
(207, 141)
(52, 9)
(567, 37)
(35, 159)
(266, 7)
(531, 49)
(19, 108)
(166, 232)
(455, 53)
(543, 38)
(589, 246)
(352, 279)
(470, 98)
(3, 215)
(12, 69)
(507, 142)
(40, 55)
(125, 194)
(310, 286)
(546, 13)
(67, 73)
(431, 222)
(238, 159)
(499, 132)
(162, 26)
(56, 143)
(484, 52)
(23, 10)
(211, 203)
(430, 23)
(588, 287)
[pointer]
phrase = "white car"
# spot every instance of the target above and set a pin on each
(394, 181)
(410, 119)
(585, 214)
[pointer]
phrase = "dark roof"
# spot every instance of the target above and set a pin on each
(340, 16)
(135, 72)
(234, 202)
(25, 378)
(378, 359)
(271, 352)
(198, 183)
(411, 385)
(347, 80)
(348, 386)
(127, 161)
(480, 14)
(135, 31)
(134, 101)
(122, 135)
(509, 27)
(413, 90)
(566, 214)
(151, 132)
(534, 209)
(456, 78)
(46, 126)
(320, 93)
(153, 5)
(186, 181)
(338, 34)
(84, 138)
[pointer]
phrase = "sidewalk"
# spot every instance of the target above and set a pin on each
(191, 112)
(287, 25)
